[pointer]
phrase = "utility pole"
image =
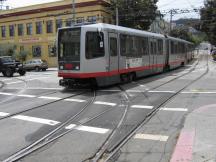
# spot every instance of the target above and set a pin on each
(171, 20)
(73, 12)
(117, 14)
(174, 12)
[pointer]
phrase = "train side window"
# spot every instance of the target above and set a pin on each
(94, 45)
(113, 47)
(160, 46)
(138, 46)
(172, 48)
(144, 46)
(123, 45)
(127, 46)
(153, 48)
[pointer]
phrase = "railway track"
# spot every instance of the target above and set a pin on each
(54, 135)
(46, 139)
(1, 84)
(109, 154)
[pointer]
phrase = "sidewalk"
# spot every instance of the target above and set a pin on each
(197, 139)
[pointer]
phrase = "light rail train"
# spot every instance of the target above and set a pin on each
(103, 54)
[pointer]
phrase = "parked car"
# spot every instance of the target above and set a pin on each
(9, 66)
(213, 53)
(36, 64)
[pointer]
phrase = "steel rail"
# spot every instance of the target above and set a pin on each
(40, 106)
(39, 144)
(107, 156)
(45, 139)
(105, 145)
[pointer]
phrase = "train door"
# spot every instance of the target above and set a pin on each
(167, 54)
(153, 54)
(113, 52)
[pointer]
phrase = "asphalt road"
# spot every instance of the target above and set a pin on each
(144, 121)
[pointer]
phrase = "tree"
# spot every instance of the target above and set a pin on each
(135, 13)
(183, 33)
(22, 55)
(208, 20)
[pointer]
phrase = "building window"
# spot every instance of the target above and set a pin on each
(92, 19)
(52, 51)
(36, 51)
(20, 30)
(49, 26)
(11, 30)
(58, 24)
(39, 27)
(80, 20)
(3, 31)
(68, 22)
(21, 48)
(29, 28)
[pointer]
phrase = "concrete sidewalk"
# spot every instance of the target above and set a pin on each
(197, 139)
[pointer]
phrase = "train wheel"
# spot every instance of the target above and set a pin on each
(94, 84)
(133, 76)
(124, 78)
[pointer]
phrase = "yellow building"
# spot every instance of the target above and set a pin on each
(33, 29)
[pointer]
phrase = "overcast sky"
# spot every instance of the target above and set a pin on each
(162, 4)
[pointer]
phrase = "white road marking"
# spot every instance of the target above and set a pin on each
(162, 91)
(88, 129)
(37, 78)
(151, 137)
(194, 92)
(142, 107)
(28, 96)
(141, 85)
(4, 114)
(174, 109)
(105, 103)
(6, 80)
(134, 91)
(36, 120)
(75, 100)
(50, 98)
(111, 90)
(6, 94)
(15, 82)
(38, 88)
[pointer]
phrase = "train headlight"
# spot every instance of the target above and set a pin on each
(77, 67)
(61, 67)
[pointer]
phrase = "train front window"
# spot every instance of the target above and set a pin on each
(94, 45)
(69, 44)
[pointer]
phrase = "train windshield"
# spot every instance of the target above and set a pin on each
(69, 44)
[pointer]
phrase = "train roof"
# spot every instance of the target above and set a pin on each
(130, 30)
(122, 29)
(178, 39)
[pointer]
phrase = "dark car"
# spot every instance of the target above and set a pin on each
(9, 66)
(213, 53)
(36, 64)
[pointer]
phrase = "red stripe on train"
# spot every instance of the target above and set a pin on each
(106, 74)
(111, 73)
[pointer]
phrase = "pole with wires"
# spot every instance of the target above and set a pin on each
(171, 20)
(117, 13)
(73, 12)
